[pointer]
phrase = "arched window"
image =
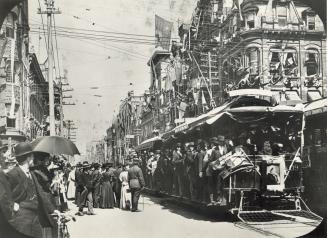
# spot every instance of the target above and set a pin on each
(290, 62)
(312, 63)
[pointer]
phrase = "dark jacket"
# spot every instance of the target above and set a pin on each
(135, 177)
(86, 180)
(34, 204)
(96, 177)
(200, 166)
(178, 160)
(190, 162)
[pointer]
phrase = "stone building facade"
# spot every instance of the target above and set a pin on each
(276, 45)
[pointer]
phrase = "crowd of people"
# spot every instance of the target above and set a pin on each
(191, 170)
(186, 170)
(105, 186)
(35, 186)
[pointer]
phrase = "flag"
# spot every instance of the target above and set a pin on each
(163, 30)
(12, 68)
(204, 102)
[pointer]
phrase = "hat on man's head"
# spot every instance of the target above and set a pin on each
(86, 164)
(157, 151)
(214, 140)
(22, 149)
(221, 138)
(190, 144)
(179, 144)
(136, 160)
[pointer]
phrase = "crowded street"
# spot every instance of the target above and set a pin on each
(163, 119)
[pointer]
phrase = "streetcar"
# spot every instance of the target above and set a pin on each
(315, 154)
(262, 173)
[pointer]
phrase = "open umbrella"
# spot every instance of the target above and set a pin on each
(55, 145)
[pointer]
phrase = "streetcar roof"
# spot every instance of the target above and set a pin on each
(315, 107)
(276, 109)
(250, 92)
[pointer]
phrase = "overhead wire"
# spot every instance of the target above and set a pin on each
(45, 38)
(105, 32)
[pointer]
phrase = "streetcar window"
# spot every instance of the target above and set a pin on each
(317, 136)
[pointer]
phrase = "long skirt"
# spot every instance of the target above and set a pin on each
(125, 197)
(71, 190)
(107, 196)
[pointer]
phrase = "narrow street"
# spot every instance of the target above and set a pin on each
(156, 220)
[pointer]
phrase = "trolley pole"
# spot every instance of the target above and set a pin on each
(50, 10)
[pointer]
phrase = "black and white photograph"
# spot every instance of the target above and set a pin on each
(163, 118)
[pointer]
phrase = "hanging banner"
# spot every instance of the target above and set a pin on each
(163, 30)
(12, 68)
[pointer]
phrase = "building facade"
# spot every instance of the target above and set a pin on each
(124, 132)
(228, 45)
(275, 45)
(14, 68)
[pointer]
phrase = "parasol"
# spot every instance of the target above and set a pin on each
(55, 145)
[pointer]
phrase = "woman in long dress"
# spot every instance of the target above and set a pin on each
(71, 185)
(125, 197)
(107, 194)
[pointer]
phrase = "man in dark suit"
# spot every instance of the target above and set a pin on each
(96, 177)
(117, 184)
(219, 149)
(32, 206)
(88, 187)
(136, 183)
(7, 209)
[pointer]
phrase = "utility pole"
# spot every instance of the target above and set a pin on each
(50, 10)
(61, 106)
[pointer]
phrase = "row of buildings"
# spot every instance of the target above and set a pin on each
(278, 45)
(24, 96)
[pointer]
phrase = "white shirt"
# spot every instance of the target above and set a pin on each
(26, 171)
(222, 149)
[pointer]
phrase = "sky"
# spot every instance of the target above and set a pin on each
(114, 67)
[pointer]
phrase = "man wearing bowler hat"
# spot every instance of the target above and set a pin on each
(136, 183)
(32, 205)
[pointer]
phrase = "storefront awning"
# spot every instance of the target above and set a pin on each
(149, 143)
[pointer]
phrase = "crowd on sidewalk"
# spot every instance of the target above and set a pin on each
(34, 186)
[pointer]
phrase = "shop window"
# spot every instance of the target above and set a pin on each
(312, 62)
